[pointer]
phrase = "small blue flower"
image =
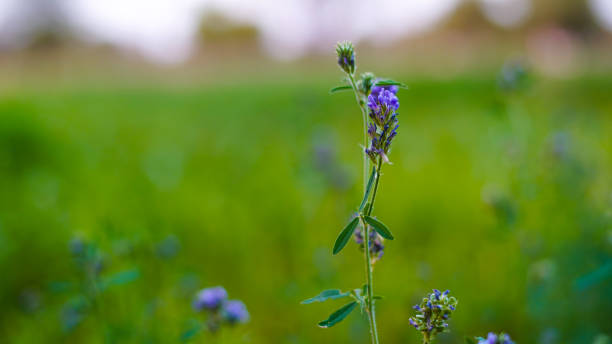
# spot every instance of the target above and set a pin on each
(210, 298)
(413, 323)
(235, 311)
(493, 338)
(433, 314)
(437, 294)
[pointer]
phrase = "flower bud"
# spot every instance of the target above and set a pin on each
(366, 83)
(346, 56)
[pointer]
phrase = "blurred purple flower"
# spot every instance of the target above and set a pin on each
(377, 249)
(493, 338)
(235, 312)
(210, 298)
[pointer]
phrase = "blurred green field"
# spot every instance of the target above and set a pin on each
(503, 198)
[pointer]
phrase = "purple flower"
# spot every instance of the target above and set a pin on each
(377, 249)
(433, 313)
(437, 294)
(413, 323)
(493, 338)
(210, 298)
(235, 312)
(377, 89)
(382, 104)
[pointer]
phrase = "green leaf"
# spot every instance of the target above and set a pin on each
(330, 294)
(345, 235)
(389, 82)
(380, 227)
(368, 189)
(338, 315)
(340, 88)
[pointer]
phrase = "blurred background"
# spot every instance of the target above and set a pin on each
(152, 148)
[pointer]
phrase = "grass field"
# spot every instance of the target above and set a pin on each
(505, 198)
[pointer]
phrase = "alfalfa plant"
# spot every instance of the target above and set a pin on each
(378, 102)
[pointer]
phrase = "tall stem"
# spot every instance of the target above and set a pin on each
(375, 186)
(371, 309)
(369, 268)
(364, 115)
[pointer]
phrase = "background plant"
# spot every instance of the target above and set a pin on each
(250, 175)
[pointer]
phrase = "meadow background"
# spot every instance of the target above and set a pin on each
(126, 186)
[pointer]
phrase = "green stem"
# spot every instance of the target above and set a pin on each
(369, 273)
(375, 186)
(369, 267)
(364, 115)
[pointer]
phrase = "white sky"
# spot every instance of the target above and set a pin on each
(164, 30)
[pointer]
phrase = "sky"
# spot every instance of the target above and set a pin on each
(165, 30)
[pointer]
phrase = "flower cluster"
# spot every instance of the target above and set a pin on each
(377, 89)
(433, 314)
(493, 338)
(346, 57)
(383, 104)
(377, 249)
(220, 309)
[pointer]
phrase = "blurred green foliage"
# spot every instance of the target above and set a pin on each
(505, 198)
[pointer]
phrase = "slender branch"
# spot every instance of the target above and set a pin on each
(375, 186)
(364, 115)
(369, 267)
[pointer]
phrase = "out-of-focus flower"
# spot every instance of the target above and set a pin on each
(77, 246)
(493, 338)
(513, 76)
(377, 248)
(383, 106)
(235, 311)
(346, 56)
(433, 314)
(210, 298)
